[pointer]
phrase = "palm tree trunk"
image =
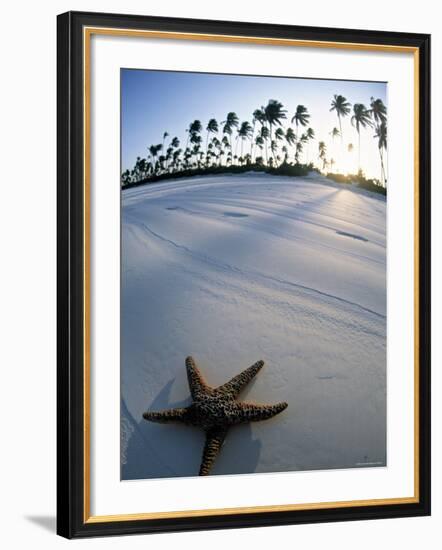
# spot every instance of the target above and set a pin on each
(207, 145)
(252, 141)
(382, 167)
(236, 149)
(359, 150)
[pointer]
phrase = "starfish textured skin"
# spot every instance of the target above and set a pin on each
(215, 410)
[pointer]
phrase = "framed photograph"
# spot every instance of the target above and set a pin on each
(243, 274)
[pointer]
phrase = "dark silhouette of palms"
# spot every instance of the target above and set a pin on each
(272, 130)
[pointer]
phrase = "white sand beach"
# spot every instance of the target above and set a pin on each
(232, 269)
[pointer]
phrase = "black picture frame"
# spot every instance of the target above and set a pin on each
(71, 498)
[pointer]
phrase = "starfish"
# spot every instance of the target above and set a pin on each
(215, 410)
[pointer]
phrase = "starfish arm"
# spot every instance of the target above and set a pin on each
(238, 383)
(249, 412)
(212, 447)
(196, 381)
(169, 415)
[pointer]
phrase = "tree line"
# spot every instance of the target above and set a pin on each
(268, 140)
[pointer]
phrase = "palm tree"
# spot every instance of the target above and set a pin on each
(168, 156)
(226, 145)
(258, 116)
(259, 142)
(279, 134)
(209, 152)
(334, 133)
(161, 161)
(164, 138)
(212, 128)
(137, 168)
(265, 135)
(195, 153)
(244, 132)
(290, 136)
(227, 130)
(299, 148)
(145, 167)
(274, 113)
(153, 151)
(176, 156)
(187, 157)
(231, 122)
(378, 110)
(274, 149)
(301, 117)
(379, 113)
(135, 172)
(360, 119)
(303, 140)
(195, 140)
(342, 108)
(322, 152)
(310, 133)
(125, 177)
(195, 127)
(175, 143)
(381, 135)
(215, 142)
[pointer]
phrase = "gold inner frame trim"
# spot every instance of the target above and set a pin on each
(87, 34)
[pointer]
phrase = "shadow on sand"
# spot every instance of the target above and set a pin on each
(152, 450)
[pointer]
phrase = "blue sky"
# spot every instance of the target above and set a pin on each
(154, 102)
